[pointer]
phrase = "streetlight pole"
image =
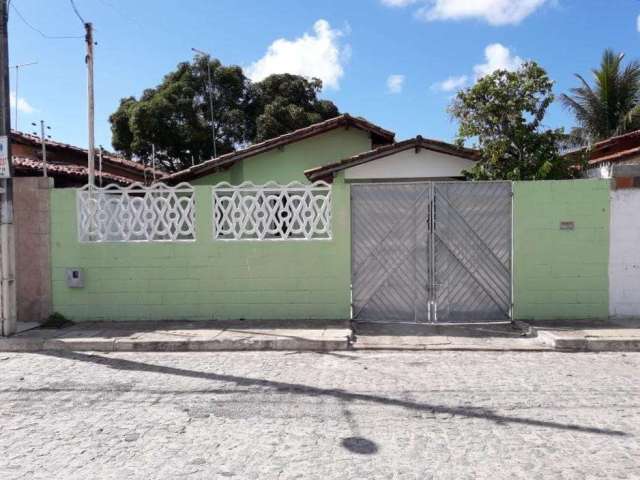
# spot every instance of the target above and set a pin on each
(210, 90)
(18, 67)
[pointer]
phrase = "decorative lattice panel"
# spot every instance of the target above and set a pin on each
(272, 212)
(136, 213)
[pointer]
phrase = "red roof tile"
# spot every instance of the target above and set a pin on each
(107, 157)
(30, 165)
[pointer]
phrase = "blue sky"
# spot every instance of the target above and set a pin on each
(395, 62)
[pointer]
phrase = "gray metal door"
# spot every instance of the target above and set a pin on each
(431, 251)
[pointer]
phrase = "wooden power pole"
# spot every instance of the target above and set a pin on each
(91, 109)
(7, 234)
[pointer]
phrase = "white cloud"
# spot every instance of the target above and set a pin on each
(638, 23)
(494, 12)
(451, 84)
(498, 57)
(395, 83)
(23, 105)
(319, 54)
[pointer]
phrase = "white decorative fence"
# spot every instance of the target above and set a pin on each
(136, 213)
(272, 212)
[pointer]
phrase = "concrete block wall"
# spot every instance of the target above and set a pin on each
(561, 272)
(624, 256)
(32, 225)
(204, 279)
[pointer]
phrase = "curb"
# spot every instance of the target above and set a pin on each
(585, 344)
(32, 345)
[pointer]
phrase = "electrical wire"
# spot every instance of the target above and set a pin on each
(35, 29)
(75, 9)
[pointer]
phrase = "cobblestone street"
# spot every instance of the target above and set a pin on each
(440, 415)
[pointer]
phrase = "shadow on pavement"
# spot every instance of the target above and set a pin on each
(477, 330)
(360, 445)
(300, 389)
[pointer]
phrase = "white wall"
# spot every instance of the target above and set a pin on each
(624, 254)
(409, 164)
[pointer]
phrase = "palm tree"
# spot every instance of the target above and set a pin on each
(612, 106)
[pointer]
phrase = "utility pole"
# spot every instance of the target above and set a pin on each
(7, 234)
(210, 90)
(18, 67)
(89, 59)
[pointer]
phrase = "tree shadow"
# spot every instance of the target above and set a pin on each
(300, 389)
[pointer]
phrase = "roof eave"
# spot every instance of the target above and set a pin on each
(327, 172)
(378, 134)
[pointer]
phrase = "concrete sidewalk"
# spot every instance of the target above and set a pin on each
(562, 335)
(587, 335)
(183, 336)
(495, 336)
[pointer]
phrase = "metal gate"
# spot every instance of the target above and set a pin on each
(431, 251)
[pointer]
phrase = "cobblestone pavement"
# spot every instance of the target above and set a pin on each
(354, 415)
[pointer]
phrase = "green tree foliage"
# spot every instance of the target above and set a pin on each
(287, 102)
(175, 116)
(612, 105)
(503, 113)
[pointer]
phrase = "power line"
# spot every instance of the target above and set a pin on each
(35, 29)
(75, 9)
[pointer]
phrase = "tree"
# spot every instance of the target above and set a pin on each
(175, 116)
(503, 113)
(612, 106)
(287, 102)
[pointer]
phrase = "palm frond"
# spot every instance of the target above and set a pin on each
(609, 106)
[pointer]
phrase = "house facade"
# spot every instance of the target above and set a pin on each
(335, 221)
(210, 275)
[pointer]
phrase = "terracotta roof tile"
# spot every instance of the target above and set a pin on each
(106, 157)
(617, 156)
(28, 165)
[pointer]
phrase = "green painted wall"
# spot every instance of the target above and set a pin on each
(561, 273)
(204, 279)
(289, 163)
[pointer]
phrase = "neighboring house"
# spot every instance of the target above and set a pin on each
(67, 164)
(606, 157)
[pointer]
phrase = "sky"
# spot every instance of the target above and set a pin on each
(397, 63)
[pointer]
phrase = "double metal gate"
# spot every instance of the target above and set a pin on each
(431, 251)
